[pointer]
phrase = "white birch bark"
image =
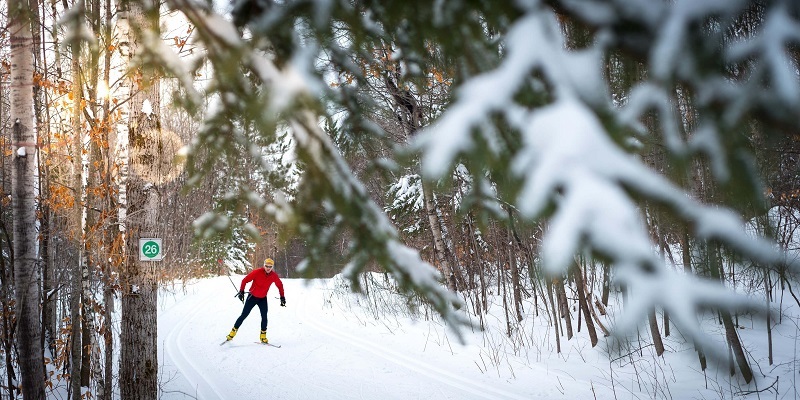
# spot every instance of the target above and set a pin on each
(78, 214)
(26, 282)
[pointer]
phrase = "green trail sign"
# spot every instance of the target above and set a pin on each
(150, 249)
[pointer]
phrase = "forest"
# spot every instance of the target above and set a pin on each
(549, 152)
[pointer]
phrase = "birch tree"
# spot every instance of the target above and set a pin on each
(412, 119)
(23, 198)
(75, 25)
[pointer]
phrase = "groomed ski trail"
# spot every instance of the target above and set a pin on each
(343, 363)
(413, 364)
(194, 374)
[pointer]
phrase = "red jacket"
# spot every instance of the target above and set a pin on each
(261, 282)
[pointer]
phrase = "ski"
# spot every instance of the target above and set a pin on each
(269, 344)
(266, 344)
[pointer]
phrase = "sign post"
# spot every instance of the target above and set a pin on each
(150, 249)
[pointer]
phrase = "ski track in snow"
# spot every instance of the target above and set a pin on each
(209, 385)
(408, 362)
(206, 389)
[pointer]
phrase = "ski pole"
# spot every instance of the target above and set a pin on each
(235, 288)
(227, 272)
(234, 285)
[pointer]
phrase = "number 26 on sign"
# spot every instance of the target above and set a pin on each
(150, 249)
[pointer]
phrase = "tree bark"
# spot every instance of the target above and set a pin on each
(111, 233)
(655, 333)
(412, 120)
(736, 346)
(715, 268)
(556, 321)
(481, 300)
(529, 258)
(438, 238)
(515, 281)
(7, 325)
(90, 369)
(138, 337)
(26, 279)
(606, 284)
(42, 116)
(563, 304)
(76, 277)
(687, 266)
(584, 304)
(769, 316)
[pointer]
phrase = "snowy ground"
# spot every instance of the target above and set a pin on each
(333, 347)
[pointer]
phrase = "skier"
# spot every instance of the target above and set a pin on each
(262, 279)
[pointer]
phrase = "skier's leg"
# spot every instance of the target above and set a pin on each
(262, 306)
(248, 306)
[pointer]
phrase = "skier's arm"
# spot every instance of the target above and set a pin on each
(246, 280)
(279, 284)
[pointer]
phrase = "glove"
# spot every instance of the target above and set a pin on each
(240, 295)
(283, 301)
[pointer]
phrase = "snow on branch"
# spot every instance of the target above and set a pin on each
(568, 160)
(401, 261)
(534, 42)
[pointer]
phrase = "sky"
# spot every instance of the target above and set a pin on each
(337, 345)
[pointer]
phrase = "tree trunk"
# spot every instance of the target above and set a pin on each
(138, 337)
(687, 266)
(687, 252)
(515, 281)
(49, 330)
(26, 280)
(584, 304)
(657, 342)
(76, 280)
(412, 120)
(528, 257)
(556, 320)
(108, 339)
(715, 268)
(97, 133)
(49, 283)
(769, 319)
(563, 304)
(481, 300)
(503, 292)
(43, 130)
(736, 346)
(438, 238)
(107, 388)
(606, 284)
(5, 318)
